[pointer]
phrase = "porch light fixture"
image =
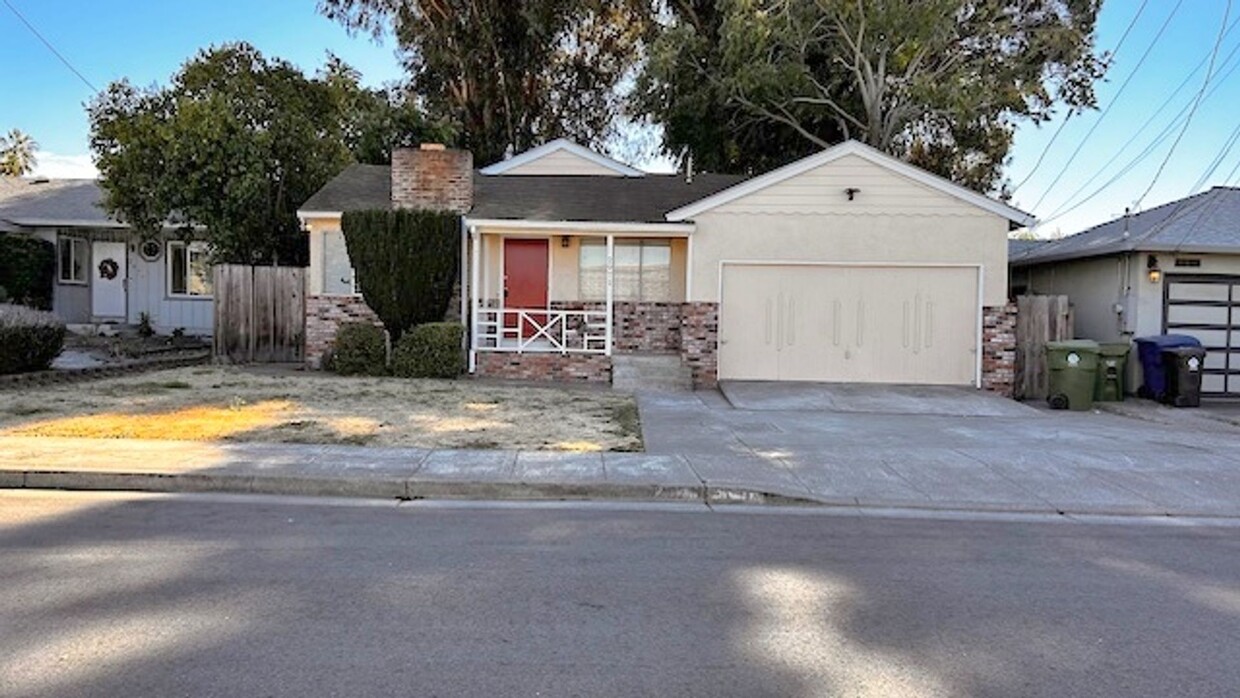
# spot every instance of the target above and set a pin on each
(852, 192)
(564, 241)
(1151, 268)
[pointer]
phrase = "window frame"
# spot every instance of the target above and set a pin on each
(73, 241)
(169, 253)
(640, 244)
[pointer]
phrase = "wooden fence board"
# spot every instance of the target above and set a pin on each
(259, 314)
(1039, 319)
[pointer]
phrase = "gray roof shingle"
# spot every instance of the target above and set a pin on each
(537, 198)
(1202, 223)
(30, 203)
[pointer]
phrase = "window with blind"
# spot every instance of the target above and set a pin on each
(643, 270)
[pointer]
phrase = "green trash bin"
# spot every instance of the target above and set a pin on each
(1072, 366)
(1112, 362)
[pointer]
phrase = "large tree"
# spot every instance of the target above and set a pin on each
(743, 84)
(17, 154)
(512, 73)
(232, 146)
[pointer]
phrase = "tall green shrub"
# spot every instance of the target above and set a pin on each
(406, 263)
(27, 270)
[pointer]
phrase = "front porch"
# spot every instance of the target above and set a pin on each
(556, 301)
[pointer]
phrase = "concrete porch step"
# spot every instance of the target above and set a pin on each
(650, 373)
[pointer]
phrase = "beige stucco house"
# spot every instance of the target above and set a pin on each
(1172, 269)
(848, 265)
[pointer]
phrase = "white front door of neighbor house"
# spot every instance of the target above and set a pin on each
(849, 323)
(107, 284)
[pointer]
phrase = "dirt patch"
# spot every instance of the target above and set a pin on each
(231, 404)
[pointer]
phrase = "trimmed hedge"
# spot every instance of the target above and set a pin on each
(406, 263)
(27, 270)
(360, 349)
(29, 339)
(432, 350)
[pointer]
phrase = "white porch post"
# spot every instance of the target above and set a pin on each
(475, 304)
(611, 290)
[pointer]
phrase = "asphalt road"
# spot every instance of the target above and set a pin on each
(139, 595)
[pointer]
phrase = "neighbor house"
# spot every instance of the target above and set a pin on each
(1171, 269)
(105, 273)
(848, 265)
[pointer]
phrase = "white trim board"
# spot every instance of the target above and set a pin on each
(567, 146)
(867, 153)
(581, 226)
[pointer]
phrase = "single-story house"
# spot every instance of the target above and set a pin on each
(1171, 269)
(848, 265)
(106, 273)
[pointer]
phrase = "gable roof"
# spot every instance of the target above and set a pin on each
(597, 199)
(1202, 223)
(561, 144)
(547, 198)
(865, 152)
(357, 188)
(30, 203)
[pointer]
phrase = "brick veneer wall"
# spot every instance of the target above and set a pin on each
(325, 315)
(569, 368)
(999, 349)
(699, 342)
(637, 327)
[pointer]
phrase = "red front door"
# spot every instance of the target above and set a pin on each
(525, 281)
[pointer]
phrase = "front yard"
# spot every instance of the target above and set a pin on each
(235, 404)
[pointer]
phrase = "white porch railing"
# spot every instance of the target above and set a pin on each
(524, 330)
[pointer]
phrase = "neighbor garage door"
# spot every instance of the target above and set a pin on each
(1208, 308)
(855, 324)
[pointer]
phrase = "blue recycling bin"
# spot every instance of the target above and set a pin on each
(1153, 370)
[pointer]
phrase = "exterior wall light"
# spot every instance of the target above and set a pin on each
(852, 192)
(565, 241)
(1151, 268)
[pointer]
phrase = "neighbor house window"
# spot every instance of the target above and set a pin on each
(73, 257)
(189, 270)
(643, 270)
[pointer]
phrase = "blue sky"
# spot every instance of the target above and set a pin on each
(147, 40)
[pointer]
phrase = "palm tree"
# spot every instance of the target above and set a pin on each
(17, 154)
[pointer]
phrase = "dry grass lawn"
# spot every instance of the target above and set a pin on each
(232, 404)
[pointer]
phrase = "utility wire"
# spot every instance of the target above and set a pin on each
(1072, 112)
(1196, 103)
(1114, 100)
(49, 45)
(1067, 206)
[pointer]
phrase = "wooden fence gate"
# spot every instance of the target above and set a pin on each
(1039, 319)
(260, 314)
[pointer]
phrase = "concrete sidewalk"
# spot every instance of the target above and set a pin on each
(1054, 479)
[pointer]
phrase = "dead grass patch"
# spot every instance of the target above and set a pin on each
(233, 404)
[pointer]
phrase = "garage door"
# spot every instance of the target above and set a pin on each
(1208, 308)
(854, 324)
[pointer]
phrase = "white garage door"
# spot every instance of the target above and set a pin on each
(851, 324)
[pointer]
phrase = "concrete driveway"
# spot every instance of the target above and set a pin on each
(945, 448)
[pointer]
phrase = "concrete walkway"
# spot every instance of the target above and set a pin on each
(701, 447)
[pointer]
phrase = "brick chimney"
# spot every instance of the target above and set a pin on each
(433, 177)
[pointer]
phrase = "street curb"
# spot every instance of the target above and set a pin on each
(440, 489)
(382, 487)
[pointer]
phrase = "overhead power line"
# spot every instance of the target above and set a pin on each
(49, 45)
(1068, 206)
(1222, 30)
(1089, 134)
(1068, 117)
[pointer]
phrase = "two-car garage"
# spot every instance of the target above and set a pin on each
(856, 323)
